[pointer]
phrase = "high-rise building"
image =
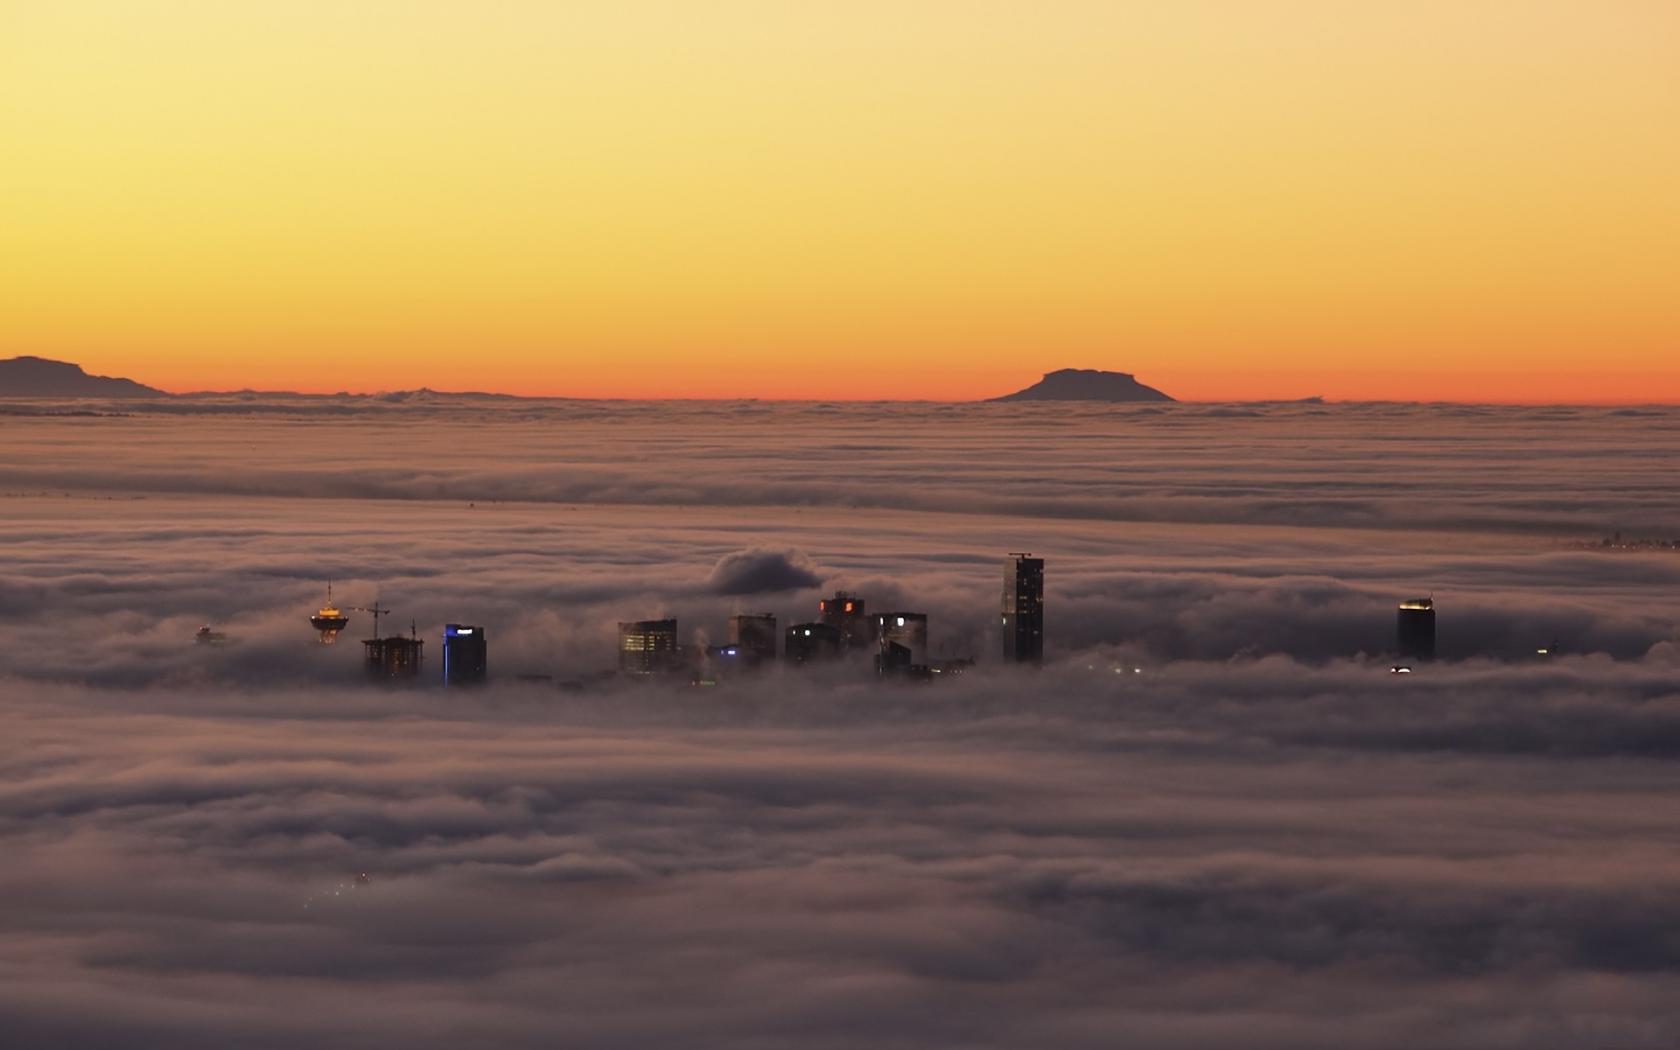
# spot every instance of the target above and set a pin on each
(647, 646)
(754, 635)
(844, 613)
(1023, 609)
(805, 642)
(902, 640)
(1415, 629)
(465, 659)
(393, 658)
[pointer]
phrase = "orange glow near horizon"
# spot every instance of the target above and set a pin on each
(937, 199)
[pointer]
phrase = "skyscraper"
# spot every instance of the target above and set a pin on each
(754, 635)
(1415, 629)
(844, 613)
(1023, 609)
(465, 659)
(647, 646)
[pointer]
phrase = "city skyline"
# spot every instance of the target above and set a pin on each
(936, 524)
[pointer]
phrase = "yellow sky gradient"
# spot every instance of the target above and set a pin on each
(1470, 200)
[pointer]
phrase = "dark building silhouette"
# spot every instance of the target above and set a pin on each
(1023, 609)
(844, 613)
(805, 642)
(395, 657)
(909, 629)
(894, 659)
(1415, 629)
(902, 642)
(754, 635)
(647, 646)
(465, 658)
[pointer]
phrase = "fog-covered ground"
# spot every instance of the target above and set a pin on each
(1259, 837)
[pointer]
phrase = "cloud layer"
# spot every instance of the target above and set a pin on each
(1213, 819)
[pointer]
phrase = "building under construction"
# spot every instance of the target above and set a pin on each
(394, 658)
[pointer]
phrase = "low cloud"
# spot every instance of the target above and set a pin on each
(763, 570)
(1213, 818)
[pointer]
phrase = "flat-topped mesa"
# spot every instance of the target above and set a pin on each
(39, 377)
(1086, 384)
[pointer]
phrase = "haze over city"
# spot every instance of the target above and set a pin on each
(1118, 524)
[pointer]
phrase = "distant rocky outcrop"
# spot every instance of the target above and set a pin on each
(1086, 384)
(39, 377)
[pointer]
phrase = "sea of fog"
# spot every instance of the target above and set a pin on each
(1214, 818)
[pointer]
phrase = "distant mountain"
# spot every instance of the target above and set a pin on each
(39, 377)
(1086, 384)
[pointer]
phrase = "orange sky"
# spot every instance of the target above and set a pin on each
(917, 198)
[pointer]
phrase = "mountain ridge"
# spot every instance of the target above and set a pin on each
(30, 376)
(1087, 384)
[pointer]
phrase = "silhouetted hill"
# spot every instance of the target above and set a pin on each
(39, 377)
(1086, 384)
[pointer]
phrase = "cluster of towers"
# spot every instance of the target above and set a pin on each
(397, 657)
(465, 655)
(896, 641)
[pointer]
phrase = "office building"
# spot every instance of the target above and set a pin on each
(465, 659)
(647, 646)
(844, 613)
(1023, 609)
(902, 641)
(805, 642)
(754, 635)
(1415, 629)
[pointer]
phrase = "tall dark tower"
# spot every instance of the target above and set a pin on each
(1415, 629)
(1023, 609)
(464, 657)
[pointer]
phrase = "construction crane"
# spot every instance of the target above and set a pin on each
(377, 612)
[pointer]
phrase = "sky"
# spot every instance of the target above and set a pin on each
(1261, 838)
(934, 199)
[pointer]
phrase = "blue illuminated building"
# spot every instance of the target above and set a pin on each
(465, 660)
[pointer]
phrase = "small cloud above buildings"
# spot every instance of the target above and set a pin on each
(762, 570)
